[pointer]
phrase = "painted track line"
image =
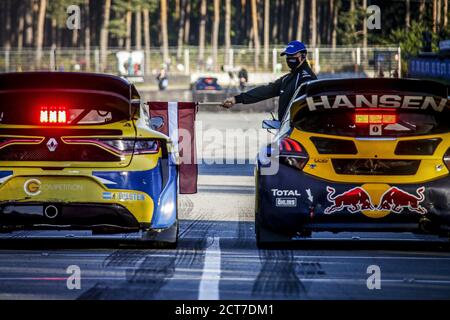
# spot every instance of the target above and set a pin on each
(210, 279)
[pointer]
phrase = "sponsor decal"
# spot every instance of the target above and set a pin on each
(353, 200)
(318, 160)
(123, 196)
(285, 193)
(396, 200)
(392, 200)
(376, 101)
(62, 187)
(286, 202)
(32, 187)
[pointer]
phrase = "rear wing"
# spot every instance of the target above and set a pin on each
(370, 93)
(71, 84)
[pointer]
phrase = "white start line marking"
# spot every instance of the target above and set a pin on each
(209, 283)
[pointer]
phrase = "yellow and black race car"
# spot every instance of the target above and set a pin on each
(357, 155)
(77, 152)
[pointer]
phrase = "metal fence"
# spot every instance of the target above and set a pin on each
(370, 60)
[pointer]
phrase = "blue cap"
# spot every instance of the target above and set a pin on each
(294, 47)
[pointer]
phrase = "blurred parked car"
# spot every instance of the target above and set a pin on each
(206, 89)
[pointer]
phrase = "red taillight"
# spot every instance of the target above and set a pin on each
(8, 141)
(375, 118)
(53, 115)
(146, 146)
(289, 145)
(292, 153)
(121, 146)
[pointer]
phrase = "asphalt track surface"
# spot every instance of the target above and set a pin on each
(217, 257)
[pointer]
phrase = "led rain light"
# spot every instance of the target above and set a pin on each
(53, 115)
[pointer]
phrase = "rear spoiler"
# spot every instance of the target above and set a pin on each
(370, 93)
(72, 83)
(374, 85)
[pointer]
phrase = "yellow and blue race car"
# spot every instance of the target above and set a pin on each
(356, 155)
(78, 152)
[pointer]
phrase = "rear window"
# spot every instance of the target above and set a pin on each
(209, 81)
(73, 116)
(342, 122)
(45, 108)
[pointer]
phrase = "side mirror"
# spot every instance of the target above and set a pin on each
(271, 124)
(156, 122)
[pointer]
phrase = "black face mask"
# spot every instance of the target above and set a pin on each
(293, 62)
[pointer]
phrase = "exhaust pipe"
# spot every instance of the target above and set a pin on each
(426, 225)
(51, 212)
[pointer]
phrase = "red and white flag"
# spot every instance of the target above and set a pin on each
(179, 125)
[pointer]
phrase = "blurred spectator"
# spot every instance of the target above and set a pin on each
(162, 78)
(243, 78)
(209, 63)
(395, 74)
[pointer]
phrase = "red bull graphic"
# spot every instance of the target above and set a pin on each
(396, 200)
(353, 200)
(358, 199)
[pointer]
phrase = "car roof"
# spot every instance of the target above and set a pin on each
(68, 80)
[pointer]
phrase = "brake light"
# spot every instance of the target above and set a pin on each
(122, 146)
(289, 145)
(146, 146)
(53, 115)
(8, 141)
(375, 118)
(292, 153)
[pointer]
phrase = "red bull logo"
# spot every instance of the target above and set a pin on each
(353, 200)
(396, 200)
(392, 200)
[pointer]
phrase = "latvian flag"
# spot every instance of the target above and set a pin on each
(179, 125)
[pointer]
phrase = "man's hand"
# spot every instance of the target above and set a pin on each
(229, 102)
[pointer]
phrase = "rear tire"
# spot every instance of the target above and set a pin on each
(266, 239)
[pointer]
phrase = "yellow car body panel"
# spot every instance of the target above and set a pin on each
(374, 149)
(67, 188)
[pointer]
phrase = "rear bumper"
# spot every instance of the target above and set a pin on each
(68, 216)
(292, 201)
(25, 236)
(115, 201)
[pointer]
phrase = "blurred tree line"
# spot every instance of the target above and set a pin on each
(258, 24)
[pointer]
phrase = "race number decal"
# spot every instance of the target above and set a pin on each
(375, 130)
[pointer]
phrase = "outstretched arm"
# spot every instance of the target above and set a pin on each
(256, 94)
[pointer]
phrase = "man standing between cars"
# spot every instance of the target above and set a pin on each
(283, 87)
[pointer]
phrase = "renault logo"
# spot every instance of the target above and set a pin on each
(52, 144)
